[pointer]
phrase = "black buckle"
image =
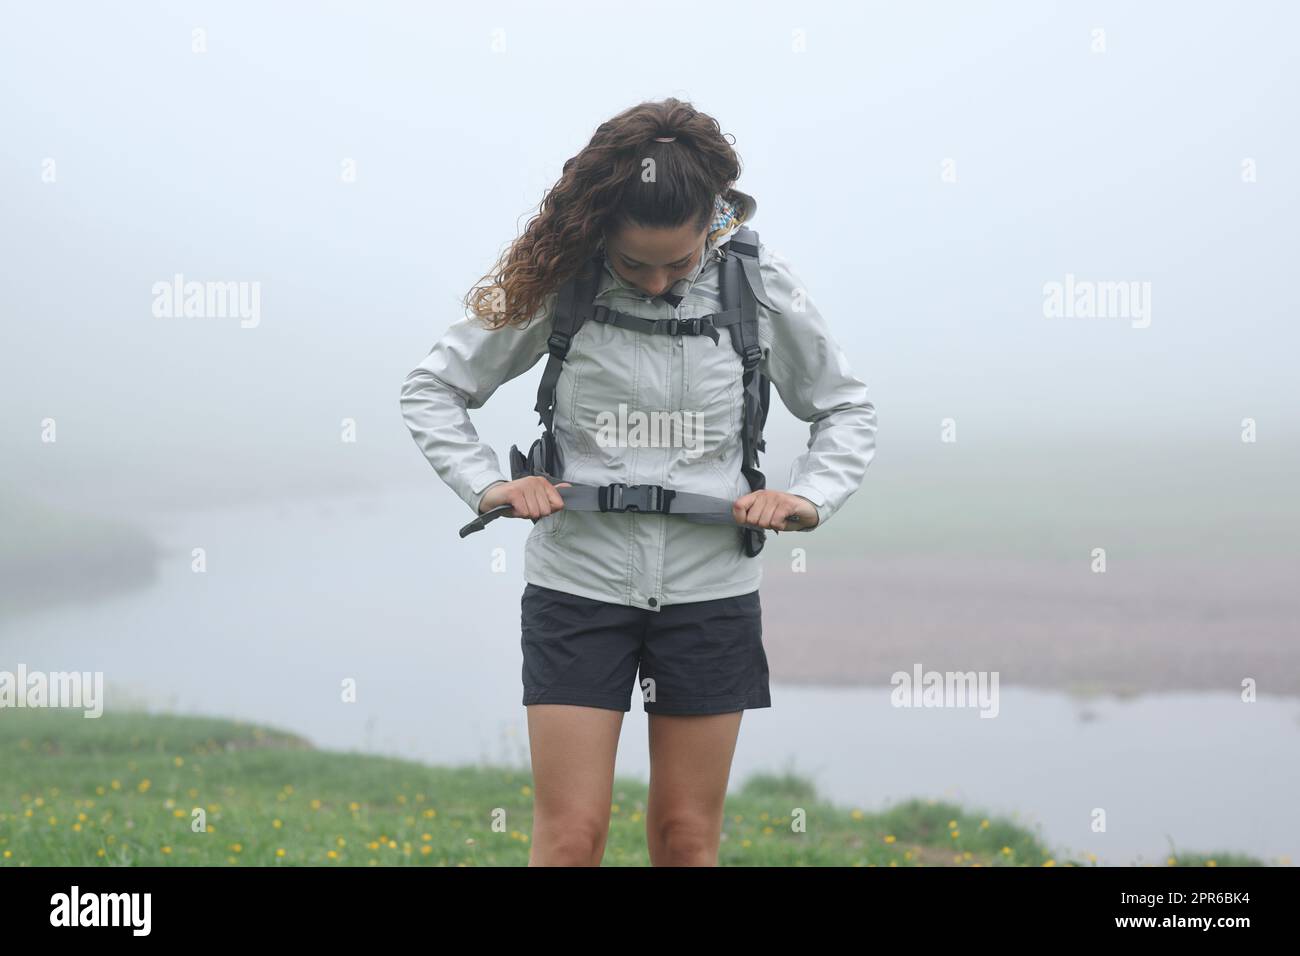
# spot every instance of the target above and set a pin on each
(624, 497)
(752, 356)
(691, 326)
(558, 342)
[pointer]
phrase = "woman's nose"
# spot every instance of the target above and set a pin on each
(655, 287)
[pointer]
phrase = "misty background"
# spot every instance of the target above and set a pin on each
(925, 167)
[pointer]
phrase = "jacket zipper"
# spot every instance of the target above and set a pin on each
(718, 254)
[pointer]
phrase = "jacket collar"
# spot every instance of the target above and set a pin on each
(729, 216)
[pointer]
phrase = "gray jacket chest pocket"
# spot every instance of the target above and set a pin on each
(710, 387)
(612, 377)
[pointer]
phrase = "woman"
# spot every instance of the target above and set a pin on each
(640, 223)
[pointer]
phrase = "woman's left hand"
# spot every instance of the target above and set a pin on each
(769, 509)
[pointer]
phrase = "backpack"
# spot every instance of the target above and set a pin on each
(739, 281)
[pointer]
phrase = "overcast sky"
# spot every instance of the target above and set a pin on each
(926, 168)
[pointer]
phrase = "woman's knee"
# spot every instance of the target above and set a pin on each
(686, 840)
(568, 839)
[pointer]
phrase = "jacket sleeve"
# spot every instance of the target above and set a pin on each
(812, 375)
(461, 372)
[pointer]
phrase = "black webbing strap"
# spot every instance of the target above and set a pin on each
(645, 499)
(704, 325)
(745, 241)
(737, 293)
(572, 307)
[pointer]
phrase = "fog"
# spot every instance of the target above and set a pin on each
(227, 166)
(943, 177)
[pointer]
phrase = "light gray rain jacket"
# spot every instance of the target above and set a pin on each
(649, 560)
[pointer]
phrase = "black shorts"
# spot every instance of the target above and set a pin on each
(701, 657)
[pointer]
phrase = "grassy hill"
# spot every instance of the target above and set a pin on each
(123, 790)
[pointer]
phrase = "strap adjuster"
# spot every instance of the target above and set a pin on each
(646, 498)
(753, 354)
(558, 342)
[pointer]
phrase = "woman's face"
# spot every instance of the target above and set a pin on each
(653, 259)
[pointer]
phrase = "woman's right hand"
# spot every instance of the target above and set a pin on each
(531, 496)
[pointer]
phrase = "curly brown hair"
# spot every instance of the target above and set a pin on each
(604, 188)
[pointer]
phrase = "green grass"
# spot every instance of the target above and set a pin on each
(121, 790)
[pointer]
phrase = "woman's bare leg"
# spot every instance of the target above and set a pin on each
(573, 750)
(690, 762)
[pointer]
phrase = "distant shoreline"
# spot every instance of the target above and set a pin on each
(1145, 626)
(55, 557)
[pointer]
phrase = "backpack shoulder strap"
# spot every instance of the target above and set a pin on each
(573, 306)
(739, 291)
(744, 243)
